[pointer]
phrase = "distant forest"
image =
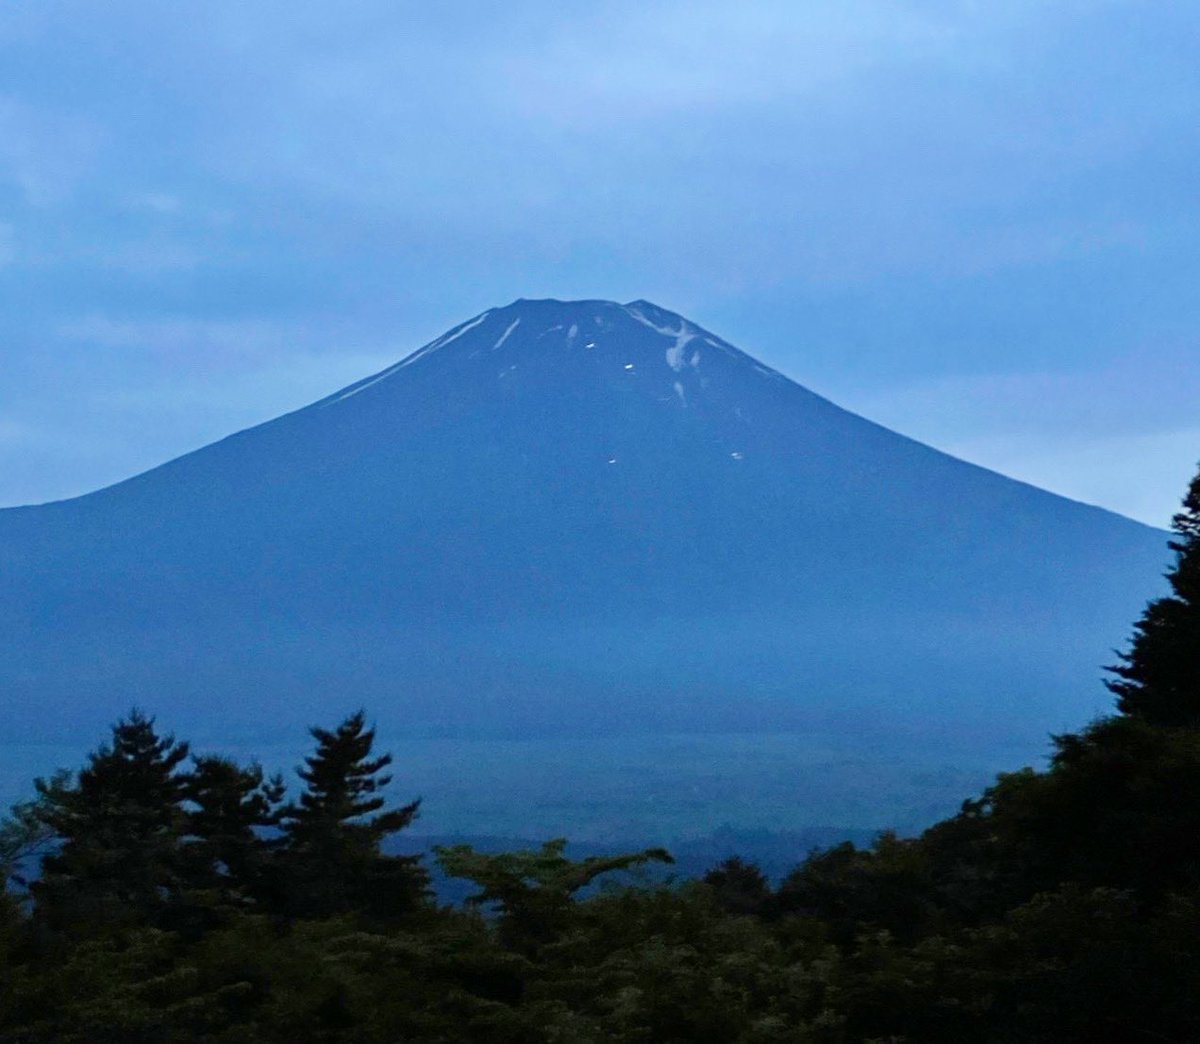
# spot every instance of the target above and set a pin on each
(157, 896)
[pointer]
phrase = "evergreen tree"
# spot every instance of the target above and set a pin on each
(118, 829)
(332, 857)
(738, 886)
(1158, 679)
(229, 807)
(24, 836)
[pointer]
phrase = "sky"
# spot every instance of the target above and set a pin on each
(974, 222)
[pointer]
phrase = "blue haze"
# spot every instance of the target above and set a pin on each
(602, 567)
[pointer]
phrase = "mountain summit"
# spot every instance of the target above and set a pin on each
(571, 517)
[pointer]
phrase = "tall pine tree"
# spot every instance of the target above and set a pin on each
(1158, 679)
(332, 856)
(119, 829)
(228, 808)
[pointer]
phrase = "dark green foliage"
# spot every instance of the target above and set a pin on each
(850, 890)
(1120, 808)
(25, 836)
(532, 891)
(739, 887)
(1158, 679)
(118, 829)
(228, 808)
(1069, 965)
(668, 964)
(331, 860)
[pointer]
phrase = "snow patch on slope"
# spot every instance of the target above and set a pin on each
(420, 353)
(504, 336)
(685, 334)
(675, 352)
(447, 338)
(766, 371)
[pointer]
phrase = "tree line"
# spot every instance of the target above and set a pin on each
(158, 896)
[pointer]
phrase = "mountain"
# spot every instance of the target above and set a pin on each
(571, 518)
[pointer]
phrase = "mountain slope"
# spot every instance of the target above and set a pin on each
(566, 517)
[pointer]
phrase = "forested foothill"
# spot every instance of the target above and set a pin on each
(155, 895)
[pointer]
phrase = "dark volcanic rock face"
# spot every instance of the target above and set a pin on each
(561, 517)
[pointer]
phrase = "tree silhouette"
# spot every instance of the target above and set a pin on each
(119, 829)
(739, 887)
(1158, 679)
(333, 859)
(229, 807)
(533, 890)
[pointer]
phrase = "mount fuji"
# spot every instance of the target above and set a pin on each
(571, 519)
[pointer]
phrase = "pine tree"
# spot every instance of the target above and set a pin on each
(1158, 679)
(229, 807)
(25, 839)
(119, 830)
(333, 863)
